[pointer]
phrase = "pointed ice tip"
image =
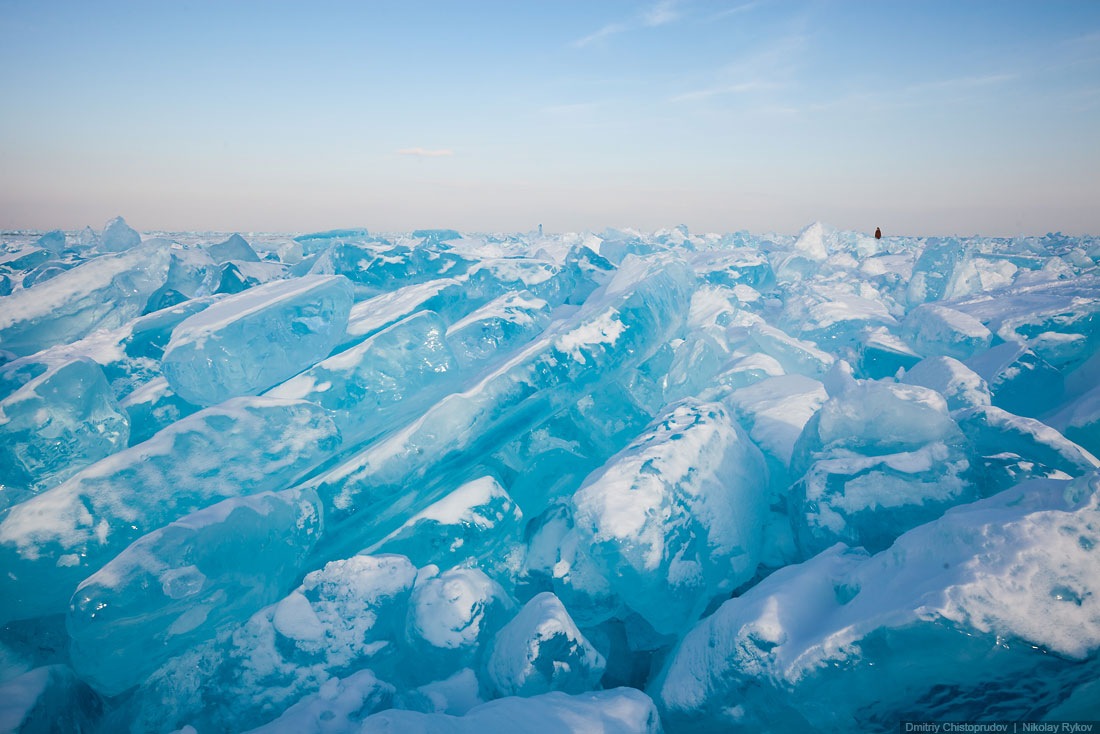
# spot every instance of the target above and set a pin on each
(839, 379)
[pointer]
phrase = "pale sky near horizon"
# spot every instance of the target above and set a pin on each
(922, 118)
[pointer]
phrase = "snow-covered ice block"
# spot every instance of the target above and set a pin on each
(834, 315)
(990, 612)
(541, 650)
(452, 617)
(1058, 319)
(101, 293)
(775, 410)
(668, 521)
(473, 521)
(618, 711)
(251, 341)
(959, 385)
(398, 371)
(806, 254)
(55, 419)
(875, 418)
(936, 330)
(875, 461)
(175, 586)
(380, 266)
(870, 500)
(731, 268)
(51, 542)
(498, 327)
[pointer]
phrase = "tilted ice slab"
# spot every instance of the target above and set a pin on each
(397, 372)
(176, 585)
(471, 522)
(445, 296)
(991, 611)
(248, 342)
(103, 292)
(498, 327)
(51, 542)
(618, 327)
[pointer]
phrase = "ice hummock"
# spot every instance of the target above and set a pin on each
(356, 481)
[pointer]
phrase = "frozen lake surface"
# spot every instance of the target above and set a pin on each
(591, 482)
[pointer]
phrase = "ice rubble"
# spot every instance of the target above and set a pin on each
(625, 481)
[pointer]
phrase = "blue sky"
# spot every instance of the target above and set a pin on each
(923, 118)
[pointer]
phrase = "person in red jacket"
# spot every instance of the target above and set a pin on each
(878, 233)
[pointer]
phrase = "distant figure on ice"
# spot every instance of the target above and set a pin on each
(878, 233)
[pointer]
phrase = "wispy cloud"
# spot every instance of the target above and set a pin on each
(424, 153)
(771, 66)
(739, 88)
(965, 82)
(658, 14)
(742, 8)
(661, 13)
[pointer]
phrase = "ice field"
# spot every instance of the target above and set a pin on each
(349, 482)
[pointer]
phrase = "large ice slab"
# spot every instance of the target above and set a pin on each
(478, 520)
(498, 327)
(51, 542)
(398, 371)
(175, 586)
(103, 292)
(251, 341)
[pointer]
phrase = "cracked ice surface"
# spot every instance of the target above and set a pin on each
(618, 482)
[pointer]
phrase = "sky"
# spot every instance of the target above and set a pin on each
(918, 117)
